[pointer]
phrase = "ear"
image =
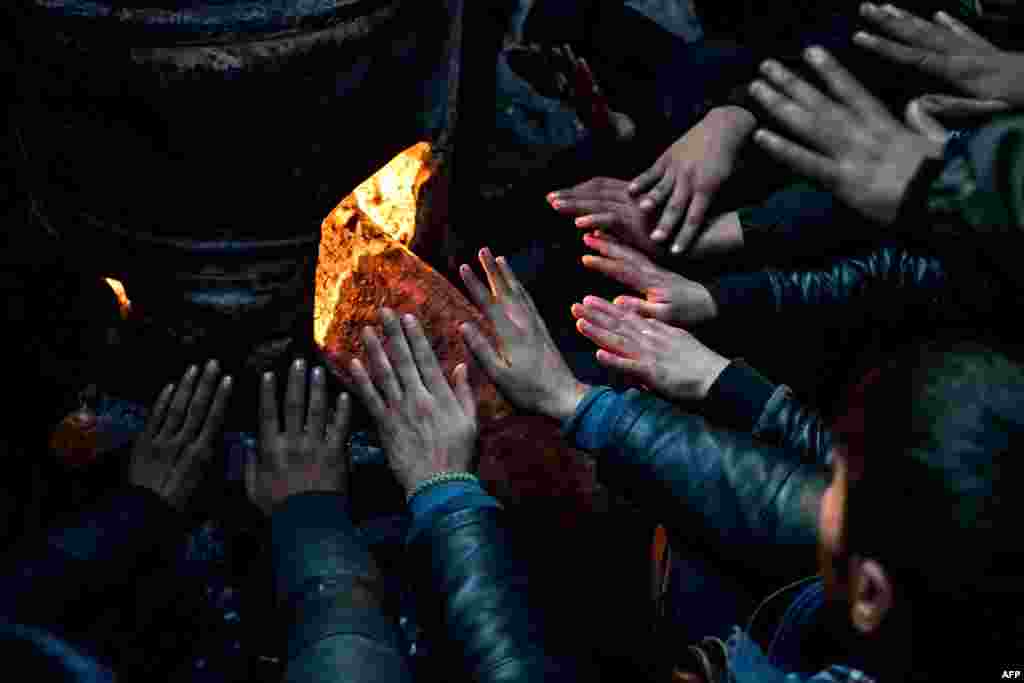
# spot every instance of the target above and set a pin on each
(872, 594)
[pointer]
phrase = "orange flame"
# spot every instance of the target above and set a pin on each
(378, 213)
(123, 302)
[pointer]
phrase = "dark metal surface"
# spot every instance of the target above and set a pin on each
(198, 173)
(161, 22)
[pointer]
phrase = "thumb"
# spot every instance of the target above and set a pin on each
(920, 119)
(463, 390)
(949, 106)
(643, 308)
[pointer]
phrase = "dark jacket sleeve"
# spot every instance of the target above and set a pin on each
(754, 504)
(328, 586)
(473, 589)
(973, 199)
(50, 582)
(745, 400)
(889, 284)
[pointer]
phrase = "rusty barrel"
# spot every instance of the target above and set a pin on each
(192, 149)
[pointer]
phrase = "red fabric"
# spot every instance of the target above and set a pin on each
(849, 425)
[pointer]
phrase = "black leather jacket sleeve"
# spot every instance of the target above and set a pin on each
(972, 201)
(328, 589)
(754, 504)
(743, 399)
(51, 582)
(472, 588)
(886, 285)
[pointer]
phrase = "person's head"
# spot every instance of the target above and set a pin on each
(922, 512)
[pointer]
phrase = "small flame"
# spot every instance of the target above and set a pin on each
(379, 212)
(123, 302)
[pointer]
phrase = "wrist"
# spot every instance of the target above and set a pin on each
(708, 307)
(723, 235)
(439, 478)
(698, 306)
(740, 121)
(566, 405)
(716, 364)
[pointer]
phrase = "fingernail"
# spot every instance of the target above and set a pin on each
(864, 37)
(318, 373)
(646, 204)
(268, 377)
(557, 204)
(211, 365)
(344, 397)
(816, 55)
(299, 364)
(676, 248)
(409, 319)
(582, 222)
(192, 371)
(893, 10)
(943, 16)
(770, 67)
(552, 196)
(227, 382)
(758, 88)
(869, 8)
(658, 235)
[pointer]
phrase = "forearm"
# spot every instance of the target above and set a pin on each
(888, 285)
(467, 573)
(744, 400)
(724, 487)
(328, 586)
(49, 582)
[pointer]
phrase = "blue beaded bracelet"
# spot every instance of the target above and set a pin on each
(441, 478)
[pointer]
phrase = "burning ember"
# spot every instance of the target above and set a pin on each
(365, 263)
(380, 214)
(123, 302)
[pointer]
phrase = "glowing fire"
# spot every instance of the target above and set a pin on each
(123, 302)
(379, 213)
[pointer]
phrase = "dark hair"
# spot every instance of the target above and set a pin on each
(937, 502)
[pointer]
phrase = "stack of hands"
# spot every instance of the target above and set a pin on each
(852, 144)
(846, 140)
(428, 425)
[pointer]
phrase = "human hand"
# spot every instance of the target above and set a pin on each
(946, 48)
(670, 297)
(667, 359)
(866, 157)
(527, 367)
(685, 178)
(305, 456)
(178, 437)
(924, 113)
(426, 428)
(605, 204)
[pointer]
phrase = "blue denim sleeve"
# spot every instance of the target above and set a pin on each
(590, 427)
(439, 500)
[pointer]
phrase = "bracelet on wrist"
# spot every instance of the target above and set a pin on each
(440, 478)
